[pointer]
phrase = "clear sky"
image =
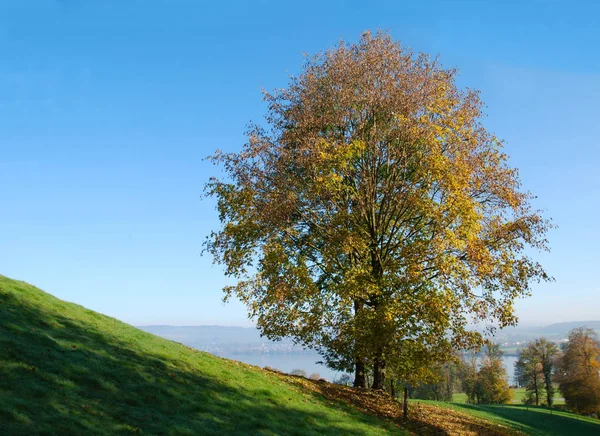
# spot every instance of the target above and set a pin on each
(107, 108)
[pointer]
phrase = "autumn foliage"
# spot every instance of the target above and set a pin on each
(486, 383)
(374, 217)
(578, 372)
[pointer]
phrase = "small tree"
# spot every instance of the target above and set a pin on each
(547, 352)
(488, 384)
(441, 388)
(468, 376)
(529, 373)
(417, 364)
(578, 372)
(492, 384)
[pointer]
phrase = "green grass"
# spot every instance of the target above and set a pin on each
(518, 395)
(68, 370)
(532, 420)
(459, 397)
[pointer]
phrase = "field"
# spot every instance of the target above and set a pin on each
(67, 370)
(518, 395)
(536, 421)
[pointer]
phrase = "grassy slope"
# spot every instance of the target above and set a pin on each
(532, 420)
(65, 370)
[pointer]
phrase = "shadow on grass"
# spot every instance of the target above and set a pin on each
(62, 375)
(533, 420)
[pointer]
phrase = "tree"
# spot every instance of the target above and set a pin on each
(468, 376)
(547, 352)
(374, 211)
(416, 364)
(528, 371)
(578, 372)
(488, 384)
(441, 387)
(534, 370)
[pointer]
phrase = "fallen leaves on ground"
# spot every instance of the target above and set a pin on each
(424, 419)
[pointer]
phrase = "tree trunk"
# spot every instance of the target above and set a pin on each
(393, 388)
(550, 394)
(535, 387)
(359, 373)
(379, 361)
(549, 387)
(360, 380)
(405, 405)
(379, 371)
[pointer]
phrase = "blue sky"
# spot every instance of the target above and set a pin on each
(107, 108)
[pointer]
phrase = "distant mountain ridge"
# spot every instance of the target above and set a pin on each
(562, 327)
(222, 340)
(227, 340)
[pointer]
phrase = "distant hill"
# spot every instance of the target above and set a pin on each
(555, 332)
(563, 328)
(231, 340)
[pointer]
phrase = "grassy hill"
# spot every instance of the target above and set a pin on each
(68, 370)
(65, 369)
(531, 420)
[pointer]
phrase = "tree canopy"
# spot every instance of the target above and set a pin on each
(485, 382)
(534, 370)
(578, 372)
(374, 216)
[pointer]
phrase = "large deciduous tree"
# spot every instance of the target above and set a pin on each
(374, 211)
